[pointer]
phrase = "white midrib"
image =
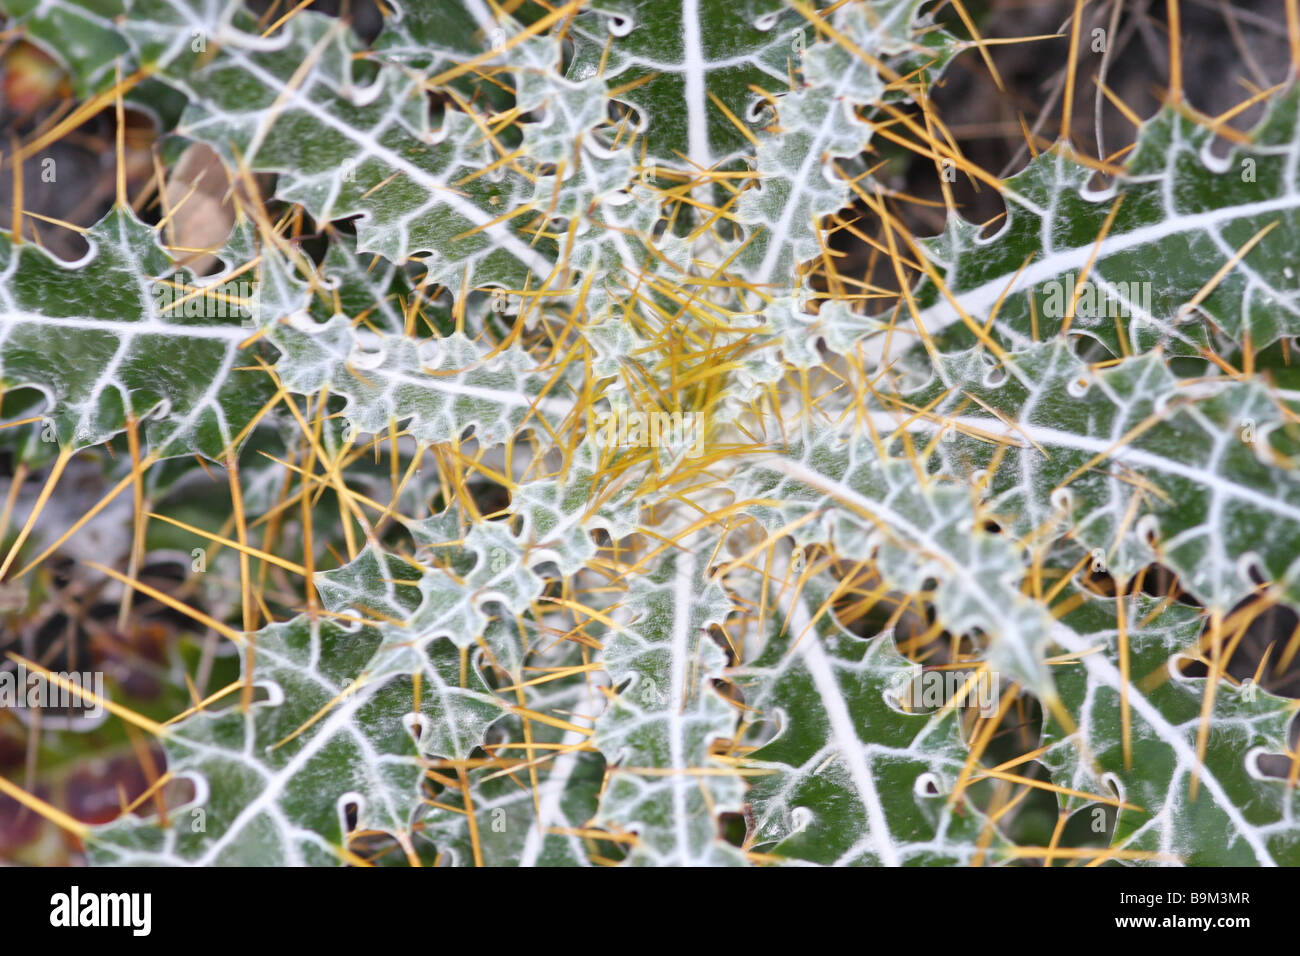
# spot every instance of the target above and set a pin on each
(498, 231)
(1129, 455)
(843, 733)
(979, 301)
(557, 785)
(693, 68)
(777, 242)
(224, 333)
(682, 603)
(451, 387)
(338, 720)
(1101, 669)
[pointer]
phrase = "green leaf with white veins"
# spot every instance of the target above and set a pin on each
(914, 528)
(438, 388)
(558, 515)
(681, 51)
(395, 597)
(81, 33)
(857, 780)
(88, 334)
(798, 333)
(573, 133)
(513, 227)
(473, 565)
(434, 36)
(656, 733)
(1194, 475)
(531, 815)
(818, 125)
(347, 139)
(516, 824)
(374, 289)
(1232, 815)
(264, 796)
(1183, 214)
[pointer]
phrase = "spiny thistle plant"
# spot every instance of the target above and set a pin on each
(568, 453)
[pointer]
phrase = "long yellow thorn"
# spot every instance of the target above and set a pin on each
(44, 497)
(49, 812)
(224, 630)
(85, 518)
